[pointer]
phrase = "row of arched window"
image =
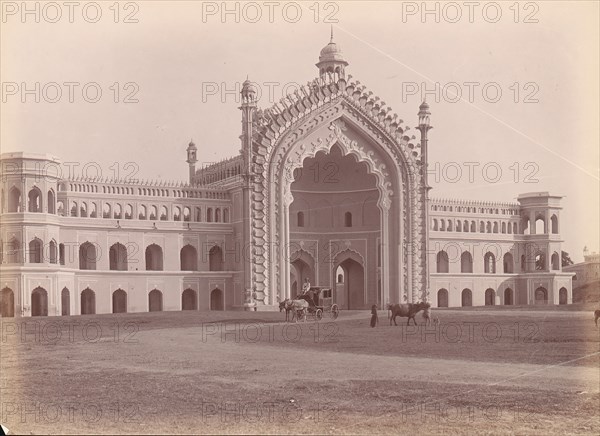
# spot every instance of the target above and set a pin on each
(458, 225)
(450, 225)
(473, 209)
(540, 225)
(119, 297)
(35, 204)
(34, 201)
(489, 262)
(118, 256)
(154, 192)
(80, 209)
(143, 212)
(466, 297)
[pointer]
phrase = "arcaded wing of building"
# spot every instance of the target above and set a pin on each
(330, 186)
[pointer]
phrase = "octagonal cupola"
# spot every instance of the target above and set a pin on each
(331, 59)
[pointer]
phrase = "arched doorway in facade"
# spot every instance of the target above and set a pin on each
(155, 301)
(563, 296)
(117, 257)
(119, 301)
(351, 293)
(216, 299)
(215, 259)
(88, 302)
(302, 267)
(35, 251)
(541, 295)
(7, 303)
(65, 302)
(88, 255)
(154, 258)
(442, 298)
(39, 302)
(466, 298)
(490, 297)
(189, 300)
(14, 200)
(188, 258)
(34, 203)
(508, 297)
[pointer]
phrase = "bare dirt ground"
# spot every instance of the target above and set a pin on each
(478, 372)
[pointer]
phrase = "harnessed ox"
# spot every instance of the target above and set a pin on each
(296, 307)
(286, 305)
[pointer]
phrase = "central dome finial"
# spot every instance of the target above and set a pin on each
(331, 59)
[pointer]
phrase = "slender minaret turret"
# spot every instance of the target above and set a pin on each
(424, 127)
(248, 109)
(331, 60)
(192, 159)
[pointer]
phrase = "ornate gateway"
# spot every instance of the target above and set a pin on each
(334, 110)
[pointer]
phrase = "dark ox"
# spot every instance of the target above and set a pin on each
(408, 310)
(286, 305)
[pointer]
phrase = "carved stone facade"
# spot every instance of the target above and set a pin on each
(249, 231)
(319, 116)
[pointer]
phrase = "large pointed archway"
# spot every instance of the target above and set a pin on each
(323, 115)
(336, 207)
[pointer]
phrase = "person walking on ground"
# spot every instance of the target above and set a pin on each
(374, 318)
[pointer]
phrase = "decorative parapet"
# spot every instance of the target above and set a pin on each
(474, 206)
(154, 188)
(221, 171)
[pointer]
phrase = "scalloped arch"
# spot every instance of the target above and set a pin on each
(297, 155)
(349, 251)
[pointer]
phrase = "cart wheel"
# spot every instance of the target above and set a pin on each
(319, 315)
(335, 311)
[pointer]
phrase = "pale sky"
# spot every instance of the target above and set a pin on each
(542, 132)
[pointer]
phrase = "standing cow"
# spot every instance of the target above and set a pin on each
(409, 310)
